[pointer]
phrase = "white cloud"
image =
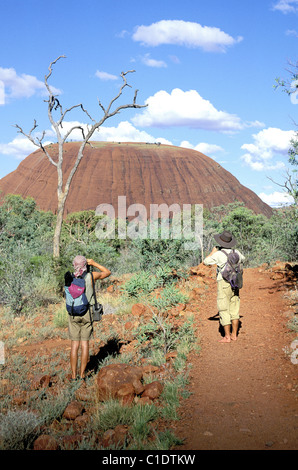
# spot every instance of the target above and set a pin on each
(276, 199)
(18, 148)
(185, 108)
(153, 62)
(268, 144)
(203, 147)
(20, 86)
(286, 6)
(122, 34)
(124, 132)
(105, 76)
(2, 93)
(255, 124)
(184, 33)
(292, 32)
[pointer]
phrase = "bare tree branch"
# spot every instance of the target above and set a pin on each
(289, 185)
(55, 105)
(51, 70)
(101, 106)
(71, 130)
(37, 142)
(123, 75)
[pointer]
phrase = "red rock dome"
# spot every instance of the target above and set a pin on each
(144, 173)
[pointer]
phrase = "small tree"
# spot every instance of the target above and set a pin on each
(291, 88)
(55, 105)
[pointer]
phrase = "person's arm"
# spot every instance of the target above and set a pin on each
(209, 259)
(99, 275)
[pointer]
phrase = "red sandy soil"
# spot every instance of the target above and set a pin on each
(243, 393)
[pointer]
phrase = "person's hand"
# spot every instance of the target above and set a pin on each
(90, 261)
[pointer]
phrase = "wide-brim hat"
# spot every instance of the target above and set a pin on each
(225, 239)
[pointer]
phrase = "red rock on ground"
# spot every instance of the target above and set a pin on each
(45, 442)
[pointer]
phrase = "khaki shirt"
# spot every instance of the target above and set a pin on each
(220, 260)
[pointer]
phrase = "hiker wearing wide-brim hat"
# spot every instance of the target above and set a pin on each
(228, 300)
(225, 239)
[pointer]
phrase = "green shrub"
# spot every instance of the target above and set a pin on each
(110, 414)
(28, 282)
(18, 429)
(143, 283)
(162, 252)
(159, 334)
(139, 284)
(169, 297)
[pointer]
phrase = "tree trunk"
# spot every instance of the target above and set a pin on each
(58, 228)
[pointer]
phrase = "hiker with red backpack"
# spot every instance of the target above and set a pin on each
(81, 306)
(229, 263)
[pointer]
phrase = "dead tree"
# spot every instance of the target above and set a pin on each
(54, 105)
(289, 186)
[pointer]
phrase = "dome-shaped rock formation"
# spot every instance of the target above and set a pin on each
(144, 173)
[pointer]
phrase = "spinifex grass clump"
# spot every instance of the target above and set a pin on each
(169, 297)
(18, 429)
(143, 286)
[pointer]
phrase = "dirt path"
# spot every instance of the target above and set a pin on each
(243, 393)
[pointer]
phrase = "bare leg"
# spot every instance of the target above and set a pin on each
(85, 357)
(235, 324)
(74, 357)
(227, 336)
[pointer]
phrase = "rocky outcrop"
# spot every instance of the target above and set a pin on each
(144, 173)
(124, 382)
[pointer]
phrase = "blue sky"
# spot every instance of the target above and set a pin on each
(205, 69)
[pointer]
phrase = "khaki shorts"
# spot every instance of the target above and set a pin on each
(80, 328)
(228, 303)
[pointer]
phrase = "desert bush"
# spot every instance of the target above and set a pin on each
(44, 287)
(139, 284)
(159, 334)
(16, 274)
(128, 261)
(169, 297)
(27, 284)
(263, 239)
(138, 417)
(52, 408)
(18, 429)
(143, 283)
(110, 414)
(22, 223)
(160, 252)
